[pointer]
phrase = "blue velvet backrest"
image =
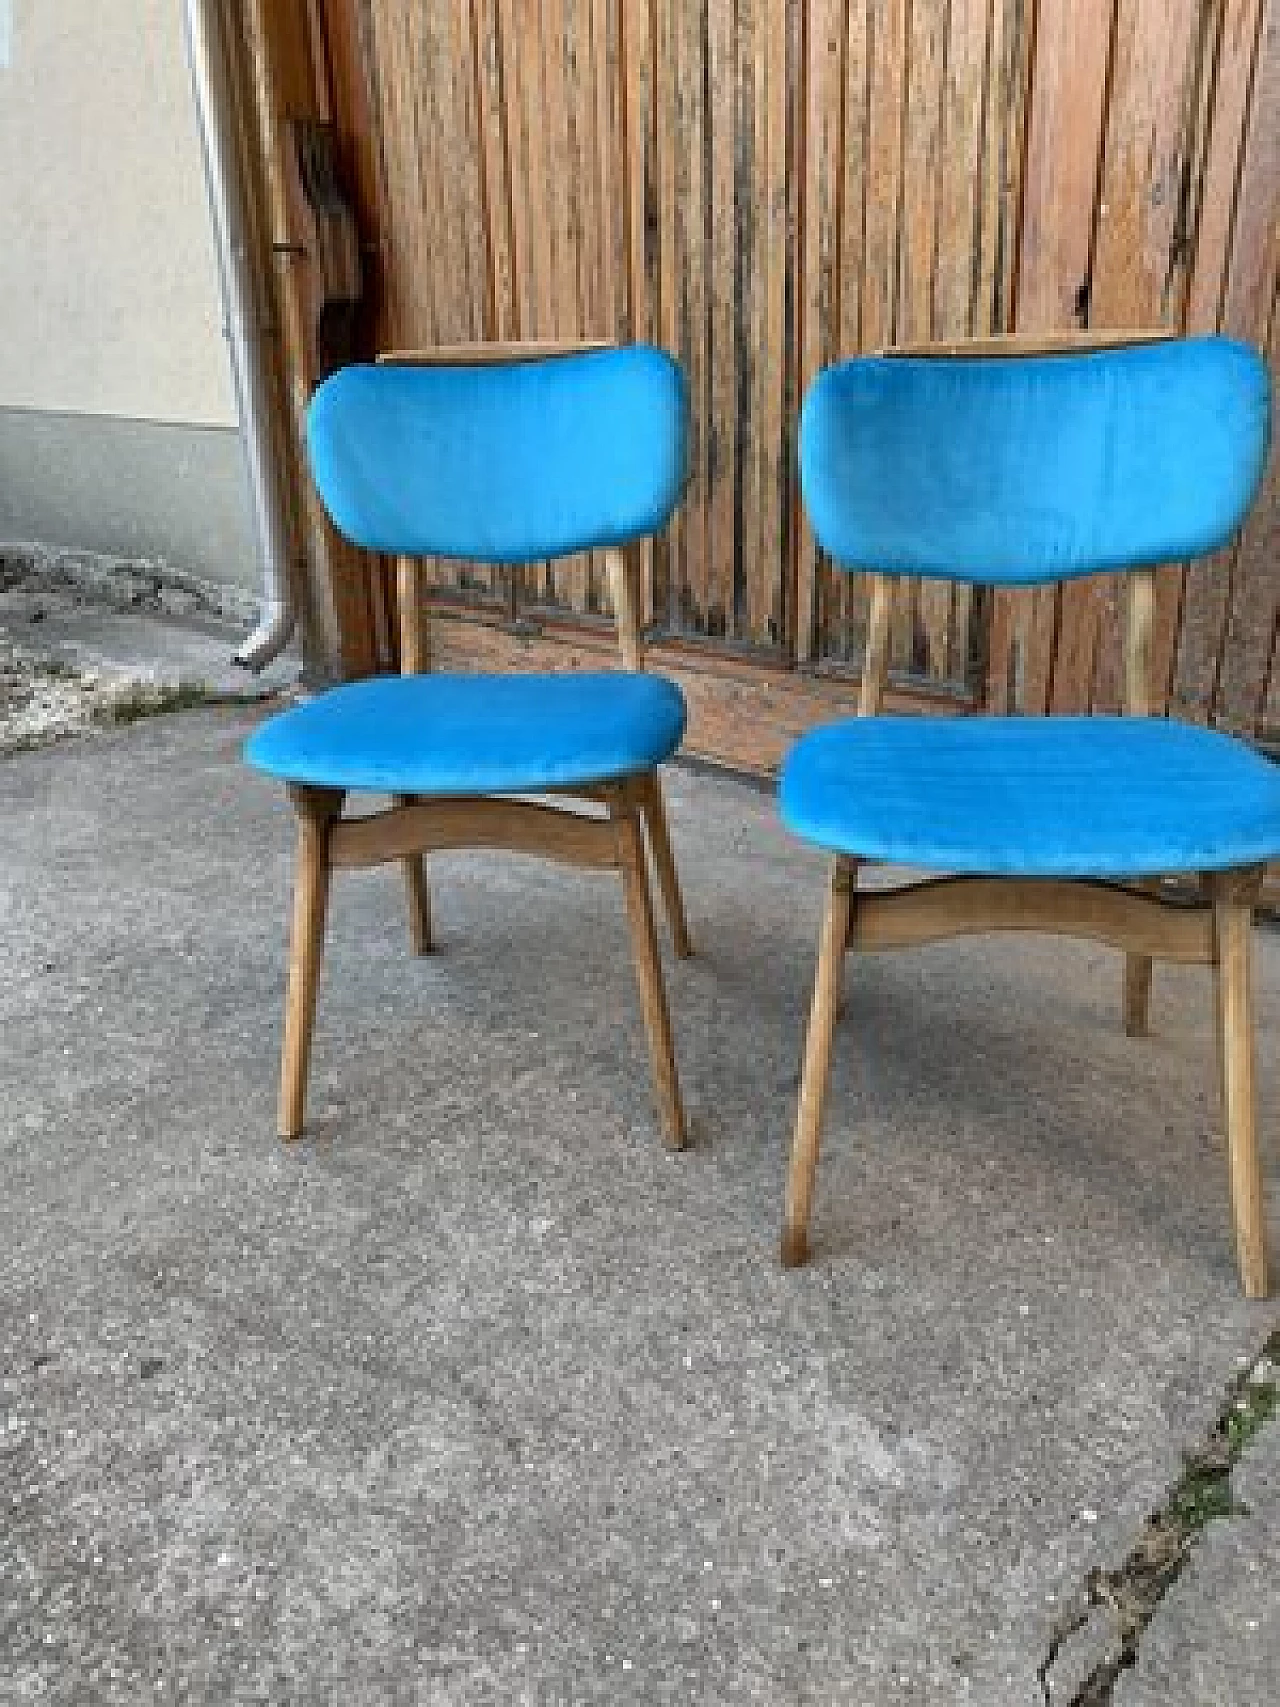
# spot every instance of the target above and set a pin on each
(1019, 469)
(505, 462)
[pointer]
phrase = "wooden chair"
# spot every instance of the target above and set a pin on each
(1022, 470)
(500, 460)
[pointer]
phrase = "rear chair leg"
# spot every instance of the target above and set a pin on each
(418, 894)
(817, 1066)
(655, 815)
(1137, 995)
(653, 996)
(1234, 894)
(316, 809)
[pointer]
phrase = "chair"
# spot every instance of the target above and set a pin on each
(1024, 470)
(501, 461)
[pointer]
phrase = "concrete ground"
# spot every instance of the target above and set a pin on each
(478, 1395)
(87, 641)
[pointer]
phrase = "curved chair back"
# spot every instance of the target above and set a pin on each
(502, 463)
(1034, 468)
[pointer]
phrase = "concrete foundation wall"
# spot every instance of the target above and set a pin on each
(158, 490)
(117, 415)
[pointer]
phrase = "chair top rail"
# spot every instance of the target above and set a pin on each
(493, 353)
(1033, 343)
(1012, 466)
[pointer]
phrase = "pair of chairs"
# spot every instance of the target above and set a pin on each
(994, 468)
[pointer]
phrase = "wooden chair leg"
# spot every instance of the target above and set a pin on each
(653, 996)
(316, 808)
(817, 1066)
(655, 816)
(418, 894)
(851, 867)
(1137, 985)
(1137, 995)
(1233, 898)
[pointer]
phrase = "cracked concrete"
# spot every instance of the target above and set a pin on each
(1104, 1635)
(477, 1395)
(86, 640)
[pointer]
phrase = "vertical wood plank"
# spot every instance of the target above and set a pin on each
(922, 609)
(1227, 632)
(772, 576)
(1064, 150)
(722, 291)
(842, 596)
(1021, 623)
(722, 612)
(690, 142)
(1206, 585)
(820, 253)
(494, 119)
(967, 111)
(888, 49)
(638, 26)
(1153, 163)
(1255, 589)
(750, 220)
(667, 134)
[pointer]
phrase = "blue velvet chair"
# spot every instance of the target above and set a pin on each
(503, 462)
(1016, 470)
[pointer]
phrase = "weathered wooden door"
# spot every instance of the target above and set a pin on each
(765, 185)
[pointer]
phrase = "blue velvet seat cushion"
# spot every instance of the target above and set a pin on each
(1034, 797)
(503, 462)
(446, 734)
(1020, 469)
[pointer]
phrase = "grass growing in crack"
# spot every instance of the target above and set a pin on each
(1202, 1495)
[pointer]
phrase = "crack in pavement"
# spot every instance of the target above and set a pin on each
(1124, 1600)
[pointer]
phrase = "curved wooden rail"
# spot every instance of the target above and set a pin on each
(944, 907)
(467, 822)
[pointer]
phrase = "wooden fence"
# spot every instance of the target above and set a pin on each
(766, 185)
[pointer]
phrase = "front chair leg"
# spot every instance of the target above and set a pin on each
(817, 1065)
(317, 809)
(418, 894)
(653, 995)
(655, 816)
(1234, 894)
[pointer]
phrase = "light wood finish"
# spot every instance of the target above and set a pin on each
(817, 1066)
(1139, 698)
(414, 660)
(415, 640)
(316, 809)
(610, 842)
(875, 668)
(1234, 895)
(493, 352)
(417, 891)
(654, 809)
(629, 844)
(942, 907)
(1033, 343)
(473, 821)
(1135, 919)
(624, 586)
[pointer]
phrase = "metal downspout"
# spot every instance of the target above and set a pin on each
(215, 115)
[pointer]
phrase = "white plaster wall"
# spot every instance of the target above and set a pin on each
(108, 286)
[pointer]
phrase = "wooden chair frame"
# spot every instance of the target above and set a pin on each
(608, 836)
(1131, 917)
